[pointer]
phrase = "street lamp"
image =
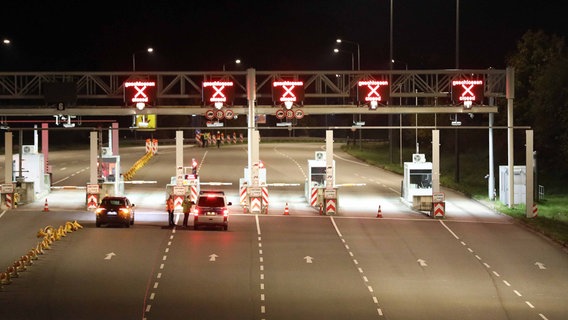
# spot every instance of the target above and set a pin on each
(6, 41)
(398, 61)
(358, 50)
(352, 57)
(149, 50)
(237, 62)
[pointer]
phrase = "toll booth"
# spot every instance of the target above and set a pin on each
(110, 178)
(34, 181)
(519, 181)
(255, 198)
(317, 179)
(417, 183)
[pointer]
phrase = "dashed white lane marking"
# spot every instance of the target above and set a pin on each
(159, 274)
(495, 273)
(363, 276)
(261, 268)
(293, 160)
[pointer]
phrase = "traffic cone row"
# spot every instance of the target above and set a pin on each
(286, 211)
(48, 234)
(379, 212)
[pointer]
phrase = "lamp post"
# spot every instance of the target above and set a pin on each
(6, 41)
(358, 51)
(237, 62)
(149, 50)
(352, 57)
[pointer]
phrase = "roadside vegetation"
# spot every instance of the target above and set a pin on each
(552, 219)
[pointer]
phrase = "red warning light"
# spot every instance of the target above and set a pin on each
(218, 92)
(373, 90)
(467, 90)
(139, 91)
(288, 91)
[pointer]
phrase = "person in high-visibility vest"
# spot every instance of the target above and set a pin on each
(170, 207)
(187, 205)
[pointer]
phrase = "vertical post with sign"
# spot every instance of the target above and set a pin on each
(330, 192)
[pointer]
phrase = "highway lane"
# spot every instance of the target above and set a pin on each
(474, 264)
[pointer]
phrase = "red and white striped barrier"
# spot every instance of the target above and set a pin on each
(193, 193)
(243, 194)
(314, 197)
(330, 206)
(8, 200)
(255, 206)
(265, 199)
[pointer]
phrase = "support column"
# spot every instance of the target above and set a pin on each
(510, 143)
(435, 161)
(45, 146)
(179, 150)
(115, 138)
(8, 156)
(93, 158)
(251, 97)
(530, 173)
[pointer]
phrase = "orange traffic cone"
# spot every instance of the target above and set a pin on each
(379, 213)
(286, 212)
(45, 206)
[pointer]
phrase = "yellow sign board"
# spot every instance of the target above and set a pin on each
(146, 121)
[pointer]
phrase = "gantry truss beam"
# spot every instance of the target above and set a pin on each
(180, 92)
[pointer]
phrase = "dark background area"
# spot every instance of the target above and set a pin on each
(267, 35)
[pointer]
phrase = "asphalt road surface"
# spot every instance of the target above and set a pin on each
(473, 264)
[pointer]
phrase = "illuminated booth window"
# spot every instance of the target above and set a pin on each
(467, 92)
(218, 93)
(373, 92)
(289, 93)
(140, 93)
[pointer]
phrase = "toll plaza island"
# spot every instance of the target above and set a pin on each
(219, 96)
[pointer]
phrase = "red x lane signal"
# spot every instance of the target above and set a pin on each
(292, 91)
(373, 90)
(139, 91)
(218, 92)
(467, 90)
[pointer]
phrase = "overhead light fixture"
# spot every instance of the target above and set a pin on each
(288, 104)
(140, 105)
(218, 105)
(374, 104)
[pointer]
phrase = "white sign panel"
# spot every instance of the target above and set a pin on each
(93, 189)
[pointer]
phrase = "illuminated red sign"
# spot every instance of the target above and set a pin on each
(288, 91)
(467, 90)
(139, 91)
(373, 90)
(218, 92)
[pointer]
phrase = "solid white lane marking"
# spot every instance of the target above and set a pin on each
(449, 230)
(257, 226)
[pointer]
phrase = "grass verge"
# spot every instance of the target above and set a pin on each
(552, 219)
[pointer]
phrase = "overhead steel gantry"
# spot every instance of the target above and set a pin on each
(180, 92)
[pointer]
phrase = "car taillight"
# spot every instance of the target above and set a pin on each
(124, 211)
(225, 212)
(195, 212)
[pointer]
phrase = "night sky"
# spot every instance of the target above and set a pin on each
(191, 35)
